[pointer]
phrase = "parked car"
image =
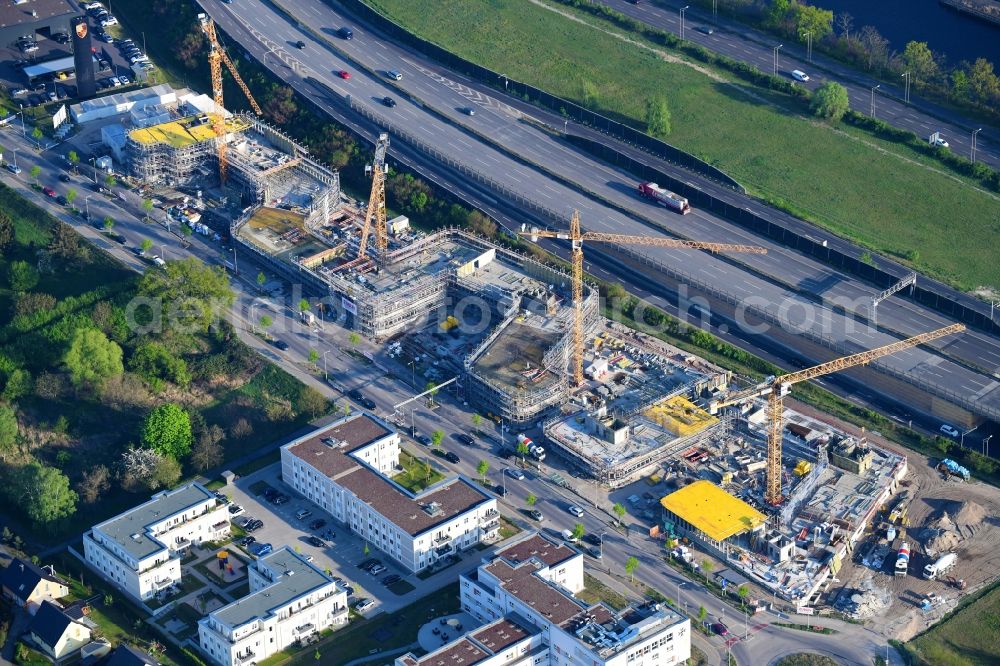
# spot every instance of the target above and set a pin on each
(16, 92)
(377, 569)
(349, 589)
(49, 192)
(303, 513)
(500, 490)
(595, 553)
(361, 605)
(591, 538)
(62, 201)
(451, 457)
(575, 510)
(260, 549)
(358, 397)
(515, 473)
(234, 509)
(254, 525)
(369, 563)
(13, 168)
(465, 439)
(316, 541)
(317, 524)
(247, 540)
(720, 629)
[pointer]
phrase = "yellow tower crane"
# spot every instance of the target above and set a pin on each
(577, 237)
(216, 56)
(776, 388)
(376, 204)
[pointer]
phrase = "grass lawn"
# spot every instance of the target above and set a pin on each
(507, 528)
(886, 196)
(967, 637)
(594, 591)
(806, 659)
(416, 474)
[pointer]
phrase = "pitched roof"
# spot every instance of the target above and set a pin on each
(49, 623)
(537, 547)
(22, 577)
(125, 655)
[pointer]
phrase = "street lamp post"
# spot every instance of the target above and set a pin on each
(974, 133)
(874, 88)
(236, 267)
(14, 152)
(86, 202)
(93, 160)
(326, 375)
(681, 12)
(809, 45)
(776, 49)
(715, 10)
(601, 546)
(906, 90)
(986, 445)
(23, 135)
(253, 322)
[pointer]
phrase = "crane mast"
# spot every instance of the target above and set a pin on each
(577, 238)
(376, 204)
(216, 57)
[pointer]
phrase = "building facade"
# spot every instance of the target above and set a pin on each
(525, 596)
(139, 550)
(289, 600)
(345, 468)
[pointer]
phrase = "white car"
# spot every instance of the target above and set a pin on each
(949, 430)
(93, 5)
(515, 473)
(939, 141)
(124, 79)
(109, 21)
(363, 605)
(799, 75)
(394, 75)
(19, 91)
(576, 511)
(158, 261)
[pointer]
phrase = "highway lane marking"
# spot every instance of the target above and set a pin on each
(469, 93)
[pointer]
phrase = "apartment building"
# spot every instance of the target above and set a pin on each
(289, 600)
(346, 469)
(530, 584)
(139, 550)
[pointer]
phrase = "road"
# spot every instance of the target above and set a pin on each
(435, 123)
(386, 390)
(756, 48)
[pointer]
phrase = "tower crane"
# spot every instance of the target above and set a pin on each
(776, 388)
(216, 56)
(577, 237)
(376, 203)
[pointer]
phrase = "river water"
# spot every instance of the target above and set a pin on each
(957, 36)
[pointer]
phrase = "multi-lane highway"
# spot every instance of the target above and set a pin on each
(756, 48)
(430, 116)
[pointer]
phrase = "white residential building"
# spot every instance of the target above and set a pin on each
(289, 600)
(345, 468)
(530, 586)
(139, 550)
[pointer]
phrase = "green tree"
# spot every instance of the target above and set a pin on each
(814, 20)
(418, 201)
(42, 492)
(110, 180)
(73, 158)
(146, 245)
(619, 510)
(482, 468)
(431, 389)
(187, 231)
(6, 231)
(707, 566)
(8, 431)
(778, 12)
(109, 223)
(304, 305)
(437, 437)
(166, 473)
(476, 421)
(194, 294)
(984, 85)
(531, 500)
(261, 279)
(702, 613)
(578, 531)
(147, 207)
(658, 118)
(207, 451)
(155, 363)
(313, 356)
(35, 172)
(830, 101)
(167, 430)
(22, 276)
(37, 134)
(522, 449)
(919, 61)
(354, 339)
(742, 592)
(265, 322)
(631, 564)
(71, 196)
(92, 357)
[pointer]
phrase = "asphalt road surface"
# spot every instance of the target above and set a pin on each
(756, 48)
(439, 123)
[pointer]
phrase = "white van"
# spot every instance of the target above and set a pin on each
(568, 537)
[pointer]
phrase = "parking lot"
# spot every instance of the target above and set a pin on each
(341, 555)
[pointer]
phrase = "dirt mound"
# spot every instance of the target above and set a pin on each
(942, 523)
(968, 513)
(944, 541)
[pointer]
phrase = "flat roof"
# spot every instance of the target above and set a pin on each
(538, 594)
(129, 529)
(185, 132)
(49, 67)
(406, 511)
(712, 510)
(12, 14)
(537, 547)
(294, 577)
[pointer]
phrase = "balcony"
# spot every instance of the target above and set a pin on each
(492, 513)
(246, 657)
(221, 526)
(490, 524)
(442, 539)
(162, 583)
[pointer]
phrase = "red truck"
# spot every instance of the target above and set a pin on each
(665, 197)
